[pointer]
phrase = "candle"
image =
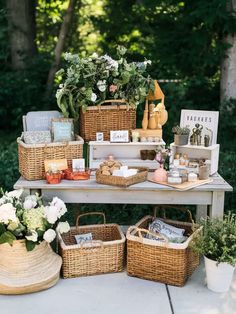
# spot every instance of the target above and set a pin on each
(192, 177)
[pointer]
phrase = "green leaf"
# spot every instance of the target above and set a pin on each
(30, 245)
(2, 229)
(7, 237)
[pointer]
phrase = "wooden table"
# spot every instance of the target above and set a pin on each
(211, 194)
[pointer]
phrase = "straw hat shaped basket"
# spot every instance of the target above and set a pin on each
(25, 272)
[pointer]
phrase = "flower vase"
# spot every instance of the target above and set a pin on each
(160, 175)
(25, 272)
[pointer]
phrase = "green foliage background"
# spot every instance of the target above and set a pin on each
(184, 39)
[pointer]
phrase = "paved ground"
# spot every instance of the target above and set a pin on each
(120, 294)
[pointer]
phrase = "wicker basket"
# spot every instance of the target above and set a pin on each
(169, 263)
(105, 118)
(32, 156)
(122, 181)
(104, 255)
(25, 272)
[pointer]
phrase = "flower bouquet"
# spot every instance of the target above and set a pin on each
(27, 226)
(29, 219)
(90, 81)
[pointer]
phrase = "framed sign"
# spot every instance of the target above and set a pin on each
(62, 129)
(78, 164)
(55, 164)
(119, 136)
(99, 137)
(39, 120)
(208, 119)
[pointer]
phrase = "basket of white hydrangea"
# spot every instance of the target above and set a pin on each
(27, 226)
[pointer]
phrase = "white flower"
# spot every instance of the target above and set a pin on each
(63, 227)
(101, 85)
(33, 236)
(15, 193)
(7, 213)
(61, 85)
(93, 97)
(52, 213)
(30, 202)
(60, 205)
(49, 235)
(146, 62)
(94, 55)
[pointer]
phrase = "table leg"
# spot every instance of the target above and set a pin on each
(201, 212)
(217, 206)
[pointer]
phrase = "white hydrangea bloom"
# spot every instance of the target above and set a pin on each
(33, 236)
(49, 235)
(63, 227)
(7, 213)
(15, 193)
(34, 218)
(30, 202)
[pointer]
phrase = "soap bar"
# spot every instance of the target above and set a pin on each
(174, 180)
(192, 177)
(124, 168)
(130, 172)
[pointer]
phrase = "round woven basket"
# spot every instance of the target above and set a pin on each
(25, 272)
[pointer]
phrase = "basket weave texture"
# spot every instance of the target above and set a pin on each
(31, 156)
(141, 176)
(104, 255)
(25, 272)
(105, 118)
(169, 263)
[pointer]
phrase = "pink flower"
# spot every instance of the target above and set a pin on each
(113, 88)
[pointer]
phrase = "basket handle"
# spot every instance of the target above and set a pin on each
(182, 209)
(140, 230)
(93, 248)
(113, 100)
(90, 214)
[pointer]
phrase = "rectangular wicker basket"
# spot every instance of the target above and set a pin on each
(141, 176)
(104, 255)
(105, 118)
(169, 263)
(31, 156)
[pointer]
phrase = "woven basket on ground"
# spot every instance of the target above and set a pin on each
(25, 272)
(104, 254)
(111, 115)
(169, 263)
(141, 176)
(32, 156)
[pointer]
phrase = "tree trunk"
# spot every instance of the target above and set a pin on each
(22, 31)
(60, 45)
(228, 66)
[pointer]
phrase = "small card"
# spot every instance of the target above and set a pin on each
(80, 238)
(119, 136)
(55, 164)
(78, 164)
(99, 137)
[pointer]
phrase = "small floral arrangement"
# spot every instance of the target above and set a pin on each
(91, 80)
(27, 218)
(162, 157)
(217, 241)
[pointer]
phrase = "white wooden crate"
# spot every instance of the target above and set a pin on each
(127, 153)
(198, 152)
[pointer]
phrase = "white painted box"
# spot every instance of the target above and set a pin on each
(127, 153)
(198, 152)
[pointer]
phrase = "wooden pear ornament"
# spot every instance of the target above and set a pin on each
(161, 115)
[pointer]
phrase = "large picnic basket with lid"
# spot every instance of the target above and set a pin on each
(31, 156)
(166, 262)
(103, 254)
(110, 115)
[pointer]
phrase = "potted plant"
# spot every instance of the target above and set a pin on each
(91, 80)
(181, 135)
(27, 226)
(217, 242)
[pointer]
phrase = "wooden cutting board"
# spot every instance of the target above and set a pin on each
(183, 186)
